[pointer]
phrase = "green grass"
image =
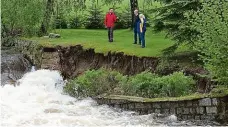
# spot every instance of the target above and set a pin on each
(98, 40)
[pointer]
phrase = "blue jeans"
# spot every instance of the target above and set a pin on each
(135, 36)
(142, 36)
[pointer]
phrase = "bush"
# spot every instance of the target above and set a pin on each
(75, 23)
(211, 22)
(167, 66)
(124, 19)
(94, 82)
(95, 18)
(141, 85)
(151, 85)
(177, 84)
(60, 23)
(145, 84)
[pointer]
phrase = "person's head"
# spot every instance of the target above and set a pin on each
(136, 11)
(141, 16)
(110, 10)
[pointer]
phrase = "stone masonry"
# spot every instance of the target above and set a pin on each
(215, 109)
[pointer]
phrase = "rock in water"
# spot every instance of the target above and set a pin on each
(172, 118)
(13, 67)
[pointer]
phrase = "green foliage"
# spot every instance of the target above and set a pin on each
(75, 23)
(211, 22)
(150, 85)
(60, 23)
(124, 20)
(171, 17)
(23, 15)
(167, 66)
(145, 84)
(95, 18)
(94, 82)
(177, 84)
(142, 84)
(220, 90)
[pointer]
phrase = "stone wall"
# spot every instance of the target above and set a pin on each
(215, 109)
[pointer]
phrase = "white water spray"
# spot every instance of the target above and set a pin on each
(39, 102)
(33, 69)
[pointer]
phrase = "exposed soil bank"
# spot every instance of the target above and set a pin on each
(72, 61)
(75, 60)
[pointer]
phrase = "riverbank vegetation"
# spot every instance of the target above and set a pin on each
(198, 25)
(96, 82)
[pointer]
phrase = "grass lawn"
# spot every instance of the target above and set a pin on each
(97, 39)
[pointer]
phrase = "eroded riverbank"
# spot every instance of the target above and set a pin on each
(74, 60)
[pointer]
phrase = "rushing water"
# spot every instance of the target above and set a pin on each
(39, 102)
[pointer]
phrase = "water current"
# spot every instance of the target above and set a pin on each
(38, 101)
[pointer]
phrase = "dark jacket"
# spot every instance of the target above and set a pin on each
(136, 20)
(144, 26)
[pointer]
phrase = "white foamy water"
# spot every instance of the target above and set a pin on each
(39, 102)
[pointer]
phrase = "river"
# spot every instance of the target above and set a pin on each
(39, 102)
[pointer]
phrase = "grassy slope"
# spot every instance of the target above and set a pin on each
(98, 40)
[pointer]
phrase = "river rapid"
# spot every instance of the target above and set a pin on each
(38, 101)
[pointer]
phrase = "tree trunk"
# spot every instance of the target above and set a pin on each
(47, 17)
(134, 5)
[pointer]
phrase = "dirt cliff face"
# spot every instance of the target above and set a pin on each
(75, 60)
(72, 61)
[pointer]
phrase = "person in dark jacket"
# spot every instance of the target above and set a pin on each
(109, 22)
(136, 21)
(141, 29)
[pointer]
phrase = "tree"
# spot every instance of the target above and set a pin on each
(56, 9)
(171, 17)
(95, 18)
(20, 17)
(211, 22)
(134, 5)
(47, 17)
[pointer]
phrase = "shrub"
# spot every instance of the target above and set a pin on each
(75, 23)
(95, 18)
(177, 84)
(94, 82)
(141, 85)
(124, 19)
(147, 84)
(60, 23)
(211, 22)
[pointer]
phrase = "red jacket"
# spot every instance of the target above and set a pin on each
(110, 19)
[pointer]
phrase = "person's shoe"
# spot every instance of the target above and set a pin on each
(143, 46)
(135, 43)
(111, 41)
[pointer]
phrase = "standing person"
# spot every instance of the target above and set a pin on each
(110, 19)
(136, 21)
(142, 29)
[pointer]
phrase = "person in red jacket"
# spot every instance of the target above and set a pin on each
(110, 19)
